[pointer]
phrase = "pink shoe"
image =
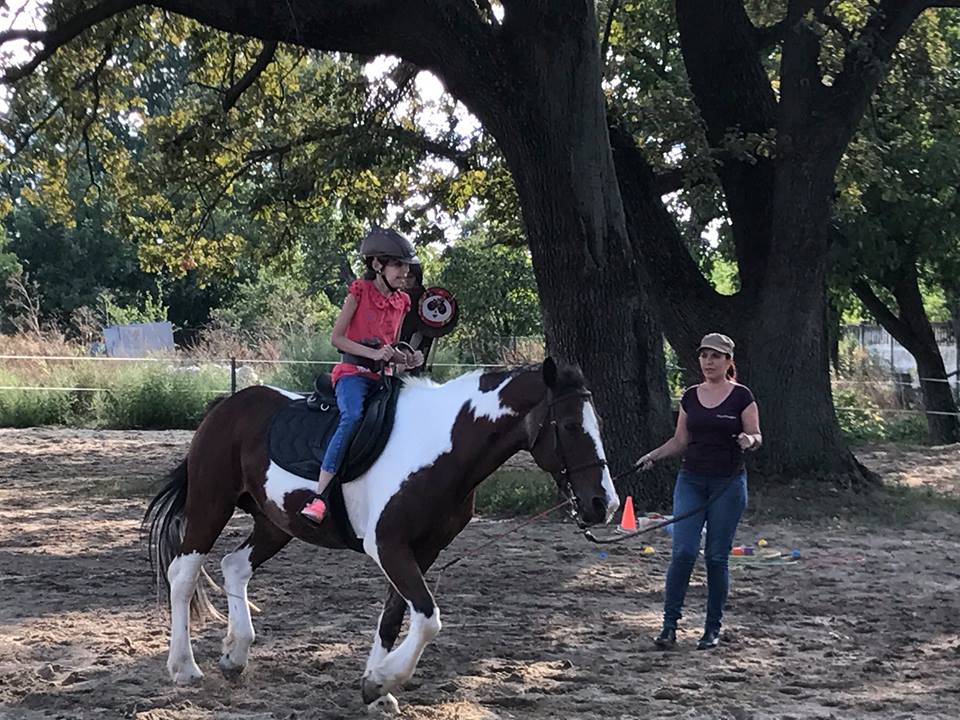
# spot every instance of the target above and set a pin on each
(315, 510)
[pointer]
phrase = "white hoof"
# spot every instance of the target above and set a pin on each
(185, 674)
(384, 705)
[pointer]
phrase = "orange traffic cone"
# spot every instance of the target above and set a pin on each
(628, 522)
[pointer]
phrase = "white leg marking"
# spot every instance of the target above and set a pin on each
(182, 574)
(377, 651)
(399, 664)
(240, 635)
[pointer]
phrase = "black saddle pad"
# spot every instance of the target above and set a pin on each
(300, 431)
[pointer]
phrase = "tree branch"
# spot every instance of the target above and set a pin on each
(669, 181)
(770, 35)
(449, 38)
(413, 139)
(878, 308)
(648, 59)
(249, 77)
(653, 231)
(56, 38)
(734, 96)
(865, 62)
(410, 138)
(605, 45)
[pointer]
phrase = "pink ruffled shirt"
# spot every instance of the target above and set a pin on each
(377, 316)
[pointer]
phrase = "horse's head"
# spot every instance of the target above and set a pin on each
(565, 441)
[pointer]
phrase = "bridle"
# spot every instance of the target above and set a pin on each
(566, 470)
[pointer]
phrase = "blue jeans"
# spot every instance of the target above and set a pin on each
(721, 516)
(352, 391)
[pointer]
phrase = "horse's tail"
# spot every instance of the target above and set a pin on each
(165, 524)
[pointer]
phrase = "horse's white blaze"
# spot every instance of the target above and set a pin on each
(182, 574)
(399, 665)
(280, 483)
(592, 426)
(237, 571)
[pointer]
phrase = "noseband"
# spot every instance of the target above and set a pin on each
(566, 470)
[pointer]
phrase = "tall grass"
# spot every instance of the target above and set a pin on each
(107, 394)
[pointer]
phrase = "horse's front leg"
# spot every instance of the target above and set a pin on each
(386, 672)
(388, 628)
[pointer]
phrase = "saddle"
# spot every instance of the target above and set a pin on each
(300, 431)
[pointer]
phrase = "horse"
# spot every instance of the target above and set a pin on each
(407, 507)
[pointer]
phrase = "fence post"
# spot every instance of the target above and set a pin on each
(233, 376)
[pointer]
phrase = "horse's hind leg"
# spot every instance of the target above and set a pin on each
(264, 542)
(201, 533)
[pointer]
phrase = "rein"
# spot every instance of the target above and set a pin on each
(570, 502)
(677, 518)
(566, 470)
(495, 538)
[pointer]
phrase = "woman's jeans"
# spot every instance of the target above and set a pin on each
(721, 516)
(352, 391)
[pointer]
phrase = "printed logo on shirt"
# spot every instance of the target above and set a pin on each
(726, 417)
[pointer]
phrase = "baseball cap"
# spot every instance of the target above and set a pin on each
(717, 341)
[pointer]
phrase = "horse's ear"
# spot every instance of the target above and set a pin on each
(549, 372)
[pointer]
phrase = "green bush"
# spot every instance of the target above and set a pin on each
(860, 419)
(516, 492)
(315, 347)
(907, 428)
(862, 422)
(159, 397)
(29, 408)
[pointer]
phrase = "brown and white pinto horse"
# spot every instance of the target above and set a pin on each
(411, 503)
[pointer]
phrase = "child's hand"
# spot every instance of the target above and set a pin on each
(415, 360)
(384, 354)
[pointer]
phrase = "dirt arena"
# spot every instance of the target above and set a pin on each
(543, 625)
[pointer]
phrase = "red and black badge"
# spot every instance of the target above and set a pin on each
(438, 312)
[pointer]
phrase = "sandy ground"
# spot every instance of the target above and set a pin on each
(541, 625)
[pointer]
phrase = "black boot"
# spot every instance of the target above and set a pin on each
(710, 639)
(666, 639)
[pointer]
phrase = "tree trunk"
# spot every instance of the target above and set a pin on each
(780, 329)
(785, 355)
(943, 425)
(913, 330)
(550, 123)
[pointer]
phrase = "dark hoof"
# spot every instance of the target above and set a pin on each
(370, 691)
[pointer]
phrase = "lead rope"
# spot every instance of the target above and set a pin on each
(495, 538)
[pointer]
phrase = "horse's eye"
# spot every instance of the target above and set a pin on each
(571, 427)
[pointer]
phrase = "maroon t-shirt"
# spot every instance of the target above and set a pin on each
(713, 448)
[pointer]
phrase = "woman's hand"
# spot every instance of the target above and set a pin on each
(645, 462)
(746, 441)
